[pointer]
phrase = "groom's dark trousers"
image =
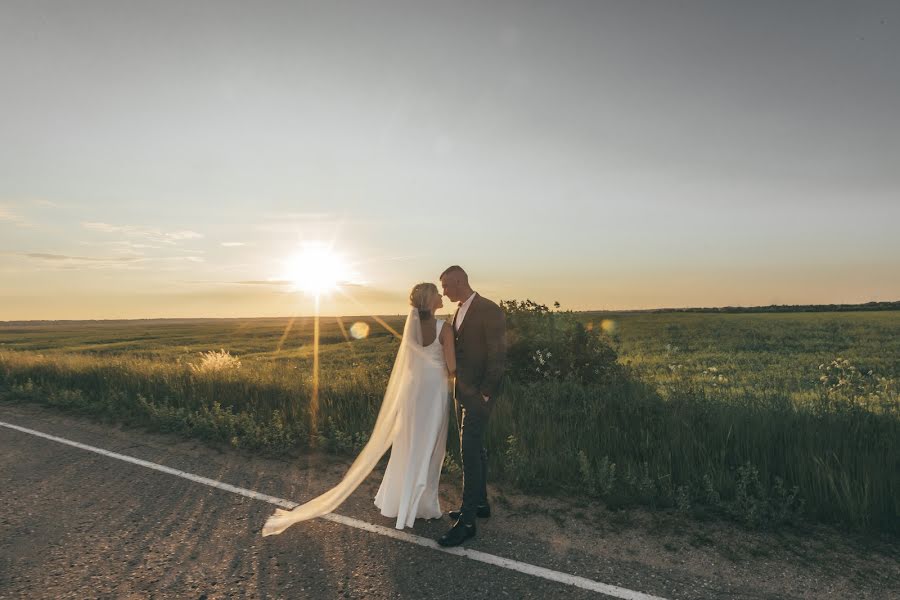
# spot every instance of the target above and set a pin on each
(475, 467)
(480, 362)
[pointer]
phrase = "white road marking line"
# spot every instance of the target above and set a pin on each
(491, 559)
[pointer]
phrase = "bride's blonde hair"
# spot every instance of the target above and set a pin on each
(420, 298)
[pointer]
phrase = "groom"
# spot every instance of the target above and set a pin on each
(480, 334)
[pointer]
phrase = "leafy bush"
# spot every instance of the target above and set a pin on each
(544, 344)
(337, 440)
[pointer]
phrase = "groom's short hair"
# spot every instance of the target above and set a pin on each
(455, 269)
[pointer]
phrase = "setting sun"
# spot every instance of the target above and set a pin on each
(317, 270)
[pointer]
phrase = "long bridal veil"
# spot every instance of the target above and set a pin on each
(402, 387)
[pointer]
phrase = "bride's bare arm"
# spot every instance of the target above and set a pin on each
(449, 348)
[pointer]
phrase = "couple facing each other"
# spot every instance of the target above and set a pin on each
(413, 419)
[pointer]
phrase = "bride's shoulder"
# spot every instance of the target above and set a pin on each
(444, 328)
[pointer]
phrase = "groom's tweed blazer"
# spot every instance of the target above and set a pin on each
(480, 354)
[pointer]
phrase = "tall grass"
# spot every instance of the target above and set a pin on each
(236, 405)
(760, 461)
(759, 458)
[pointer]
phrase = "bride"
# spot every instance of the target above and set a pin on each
(412, 422)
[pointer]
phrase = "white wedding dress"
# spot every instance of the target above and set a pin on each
(409, 489)
(413, 420)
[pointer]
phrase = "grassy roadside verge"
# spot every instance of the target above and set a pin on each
(764, 462)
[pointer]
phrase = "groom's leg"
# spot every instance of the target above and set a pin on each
(473, 464)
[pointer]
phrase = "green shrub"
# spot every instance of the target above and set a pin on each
(551, 345)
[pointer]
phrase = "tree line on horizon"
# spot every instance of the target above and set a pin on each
(772, 308)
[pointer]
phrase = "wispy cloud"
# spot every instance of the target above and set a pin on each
(148, 233)
(233, 244)
(193, 259)
(59, 257)
(8, 215)
(46, 203)
(264, 282)
(70, 261)
(124, 245)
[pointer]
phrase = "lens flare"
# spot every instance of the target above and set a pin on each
(359, 330)
(608, 326)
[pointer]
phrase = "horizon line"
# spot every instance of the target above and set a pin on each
(839, 307)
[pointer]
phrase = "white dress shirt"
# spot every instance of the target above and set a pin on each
(461, 312)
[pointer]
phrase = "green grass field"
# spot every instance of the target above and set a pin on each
(763, 418)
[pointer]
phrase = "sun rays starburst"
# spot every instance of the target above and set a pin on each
(317, 269)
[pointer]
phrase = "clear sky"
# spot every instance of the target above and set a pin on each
(163, 159)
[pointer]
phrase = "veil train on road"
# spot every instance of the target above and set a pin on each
(402, 385)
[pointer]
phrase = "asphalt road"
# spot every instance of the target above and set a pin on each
(81, 525)
(76, 524)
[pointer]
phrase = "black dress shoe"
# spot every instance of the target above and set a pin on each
(482, 512)
(457, 534)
